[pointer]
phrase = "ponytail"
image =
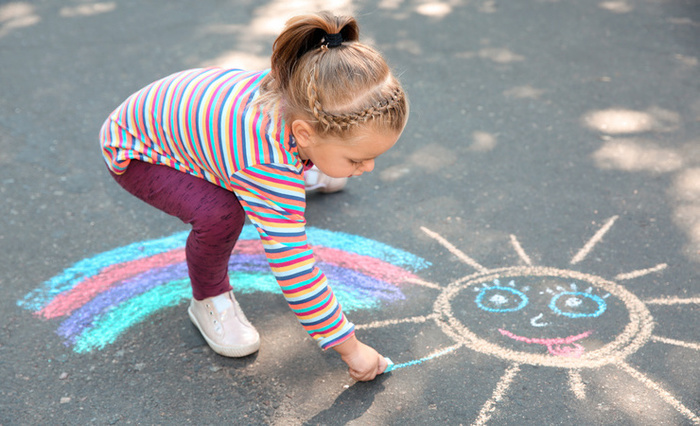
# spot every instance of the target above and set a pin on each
(303, 34)
(320, 72)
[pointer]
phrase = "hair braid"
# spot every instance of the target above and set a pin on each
(314, 103)
(341, 122)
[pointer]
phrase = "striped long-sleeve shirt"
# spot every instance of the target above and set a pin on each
(202, 122)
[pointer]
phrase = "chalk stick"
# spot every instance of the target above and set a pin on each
(390, 365)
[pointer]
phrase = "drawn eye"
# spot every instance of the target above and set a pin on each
(577, 304)
(501, 299)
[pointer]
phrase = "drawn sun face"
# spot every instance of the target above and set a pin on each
(544, 316)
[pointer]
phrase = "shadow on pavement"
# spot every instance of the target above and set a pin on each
(351, 404)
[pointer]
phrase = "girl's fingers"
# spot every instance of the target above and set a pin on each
(356, 375)
(383, 364)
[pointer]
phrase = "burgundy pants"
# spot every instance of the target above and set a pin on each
(215, 214)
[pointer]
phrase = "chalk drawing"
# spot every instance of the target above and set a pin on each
(575, 305)
(435, 354)
(98, 299)
(552, 316)
(500, 299)
(576, 383)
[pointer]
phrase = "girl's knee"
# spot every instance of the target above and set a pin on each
(222, 222)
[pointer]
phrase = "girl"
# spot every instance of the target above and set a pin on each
(211, 146)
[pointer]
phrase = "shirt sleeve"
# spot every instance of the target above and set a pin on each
(274, 199)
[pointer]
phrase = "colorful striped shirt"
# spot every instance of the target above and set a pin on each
(202, 122)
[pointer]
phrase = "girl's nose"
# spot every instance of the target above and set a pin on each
(368, 166)
(537, 321)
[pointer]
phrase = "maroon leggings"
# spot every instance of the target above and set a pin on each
(215, 214)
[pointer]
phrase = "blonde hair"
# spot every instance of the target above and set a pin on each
(336, 88)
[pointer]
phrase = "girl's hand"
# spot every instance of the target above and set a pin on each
(364, 363)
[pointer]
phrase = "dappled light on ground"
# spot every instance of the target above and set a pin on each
(17, 15)
(87, 9)
(433, 158)
(686, 61)
(616, 6)
(269, 19)
(686, 190)
(687, 185)
(483, 142)
(637, 155)
(239, 59)
(616, 121)
(623, 150)
(499, 55)
(255, 38)
(434, 9)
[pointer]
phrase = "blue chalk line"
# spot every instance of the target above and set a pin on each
(392, 366)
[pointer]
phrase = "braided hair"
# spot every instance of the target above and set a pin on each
(321, 73)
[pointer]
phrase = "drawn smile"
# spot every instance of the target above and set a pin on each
(559, 346)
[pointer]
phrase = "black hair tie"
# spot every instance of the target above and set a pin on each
(333, 40)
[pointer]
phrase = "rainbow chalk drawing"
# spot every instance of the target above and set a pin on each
(98, 299)
(546, 316)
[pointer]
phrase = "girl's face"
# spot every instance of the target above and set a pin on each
(339, 157)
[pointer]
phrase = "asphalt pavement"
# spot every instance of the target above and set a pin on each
(528, 253)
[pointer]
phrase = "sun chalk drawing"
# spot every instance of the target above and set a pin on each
(98, 299)
(559, 318)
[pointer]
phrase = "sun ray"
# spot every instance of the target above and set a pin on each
(673, 301)
(576, 383)
(416, 320)
(663, 393)
(454, 250)
(641, 272)
(418, 281)
(519, 249)
(675, 342)
(501, 388)
(593, 241)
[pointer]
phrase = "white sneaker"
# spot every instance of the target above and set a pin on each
(224, 325)
(316, 180)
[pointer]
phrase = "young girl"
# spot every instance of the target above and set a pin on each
(211, 146)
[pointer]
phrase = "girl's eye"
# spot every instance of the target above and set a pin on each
(576, 304)
(501, 299)
(355, 163)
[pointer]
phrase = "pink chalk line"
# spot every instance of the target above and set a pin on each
(367, 265)
(560, 346)
(65, 303)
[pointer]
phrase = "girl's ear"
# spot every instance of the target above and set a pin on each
(303, 133)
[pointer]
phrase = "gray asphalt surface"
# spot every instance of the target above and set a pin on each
(550, 133)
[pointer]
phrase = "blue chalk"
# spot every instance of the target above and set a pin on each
(390, 365)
